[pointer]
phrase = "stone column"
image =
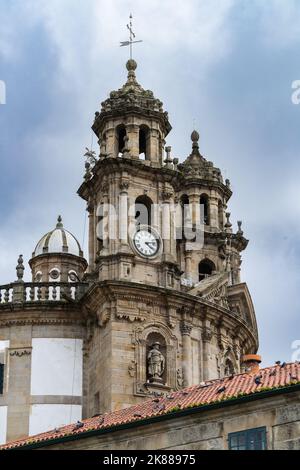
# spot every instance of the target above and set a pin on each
(188, 265)
(105, 201)
(111, 149)
(214, 212)
(194, 200)
(132, 131)
(206, 339)
(92, 236)
(123, 214)
(186, 329)
(153, 145)
(166, 222)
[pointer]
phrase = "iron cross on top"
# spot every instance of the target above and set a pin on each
(131, 37)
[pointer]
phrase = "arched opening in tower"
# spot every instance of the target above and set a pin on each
(144, 143)
(204, 208)
(185, 215)
(143, 211)
(121, 134)
(206, 268)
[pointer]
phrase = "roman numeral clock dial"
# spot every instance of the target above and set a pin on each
(146, 243)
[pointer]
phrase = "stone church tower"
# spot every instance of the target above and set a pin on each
(158, 306)
(168, 272)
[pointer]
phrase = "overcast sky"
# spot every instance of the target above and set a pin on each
(228, 65)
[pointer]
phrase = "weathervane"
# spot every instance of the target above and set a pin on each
(131, 37)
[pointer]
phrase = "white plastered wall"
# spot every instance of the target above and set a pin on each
(3, 424)
(47, 417)
(56, 366)
(3, 409)
(56, 371)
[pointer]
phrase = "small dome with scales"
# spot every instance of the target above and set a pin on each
(58, 240)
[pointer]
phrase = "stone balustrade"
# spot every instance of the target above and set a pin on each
(20, 292)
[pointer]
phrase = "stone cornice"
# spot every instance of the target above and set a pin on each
(169, 298)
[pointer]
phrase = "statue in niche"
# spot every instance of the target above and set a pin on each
(156, 363)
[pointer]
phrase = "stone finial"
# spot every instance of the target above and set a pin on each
(20, 268)
(195, 139)
(88, 173)
(175, 163)
(59, 222)
(240, 231)
(131, 65)
(169, 160)
(228, 224)
(227, 182)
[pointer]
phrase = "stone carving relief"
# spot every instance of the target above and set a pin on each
(156, 364)
(20, 352)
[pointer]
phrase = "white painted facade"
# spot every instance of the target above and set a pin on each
(47, 417)
(56, 366)
(3, 424)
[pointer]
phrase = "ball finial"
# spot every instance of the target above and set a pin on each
(131, 65)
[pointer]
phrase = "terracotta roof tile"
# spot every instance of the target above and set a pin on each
(195, 396)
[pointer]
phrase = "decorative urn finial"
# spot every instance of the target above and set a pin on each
(20, 269)
(195, 139)
(59, 222)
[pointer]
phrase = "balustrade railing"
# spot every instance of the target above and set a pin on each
(20, 292)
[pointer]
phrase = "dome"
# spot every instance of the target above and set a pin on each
(58, 240)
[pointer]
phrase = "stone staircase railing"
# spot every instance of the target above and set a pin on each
(20, 292)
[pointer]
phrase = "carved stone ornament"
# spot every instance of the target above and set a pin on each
(20, 352)
(132, 368)
(180, 378)
(207, 334)
(103, 317)
(124, 186)
(186, 328)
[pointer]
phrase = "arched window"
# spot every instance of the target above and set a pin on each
(144, 134)
(204, 207)
(220, 215)
(143, 209)
(184, 204)
(229, 368)
(121, 133)
(206, 268)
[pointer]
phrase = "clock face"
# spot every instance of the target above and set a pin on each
(146, 243)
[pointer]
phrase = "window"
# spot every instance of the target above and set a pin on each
(206, 268)
(204, 207)
(1, 378)
(250, 439)
(144, 136)
(143, 208)
(121, 134)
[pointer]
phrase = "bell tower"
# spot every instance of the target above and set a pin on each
(132, 123)
(130, 188)
(166, 307)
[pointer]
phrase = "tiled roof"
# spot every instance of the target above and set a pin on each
(206, 393)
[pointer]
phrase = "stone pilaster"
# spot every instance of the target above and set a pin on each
(186, 329)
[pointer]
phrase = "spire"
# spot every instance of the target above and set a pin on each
(59, 222)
